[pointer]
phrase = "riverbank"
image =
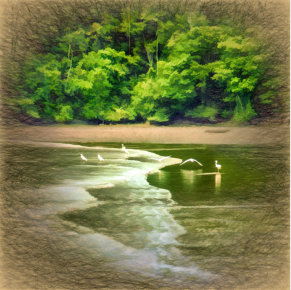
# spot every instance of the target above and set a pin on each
(149, 134)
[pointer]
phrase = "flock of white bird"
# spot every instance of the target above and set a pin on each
(123, 148)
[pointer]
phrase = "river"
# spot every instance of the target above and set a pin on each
(132, 221)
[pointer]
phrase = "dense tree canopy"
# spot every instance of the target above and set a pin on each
(145, 64)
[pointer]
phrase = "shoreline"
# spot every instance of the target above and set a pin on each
(149, 134)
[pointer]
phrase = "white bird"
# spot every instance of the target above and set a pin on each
(160, 159)
(100, 157)
(218, 166)
(124, 149)
(83, 157)
(191, 160)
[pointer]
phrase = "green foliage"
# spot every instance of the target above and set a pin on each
(203, 112)
(43, 86)
(226, 113)
(65, 114)
(120, 113)
(150, 65)
(160, 115)
(243, 113)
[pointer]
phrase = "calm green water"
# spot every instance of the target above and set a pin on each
(129, 223)
(234, 222)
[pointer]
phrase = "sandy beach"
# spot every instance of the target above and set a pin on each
(149, 134)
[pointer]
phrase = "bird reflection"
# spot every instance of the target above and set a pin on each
(190, 176)
(217, 182)
(159, 175)
(191, 179)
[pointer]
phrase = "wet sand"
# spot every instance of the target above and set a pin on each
(149, 134)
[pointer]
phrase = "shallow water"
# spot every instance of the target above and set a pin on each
(134, 222)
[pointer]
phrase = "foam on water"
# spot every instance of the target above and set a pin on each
(134, 227)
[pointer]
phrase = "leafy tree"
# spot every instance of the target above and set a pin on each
(239, 71)
(182, 75)
(43, 86)
(150, 64)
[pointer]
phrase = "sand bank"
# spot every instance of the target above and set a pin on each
(149, 134)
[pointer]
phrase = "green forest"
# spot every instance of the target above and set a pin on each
(149, 64)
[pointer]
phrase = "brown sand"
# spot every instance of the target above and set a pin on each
(149, 134)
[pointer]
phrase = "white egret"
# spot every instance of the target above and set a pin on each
(191, 160)
(124, 149)
(100, 157)
(218, 166)
(83, 157)
(160, 159)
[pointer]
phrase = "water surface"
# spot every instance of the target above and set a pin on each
(132, 221)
